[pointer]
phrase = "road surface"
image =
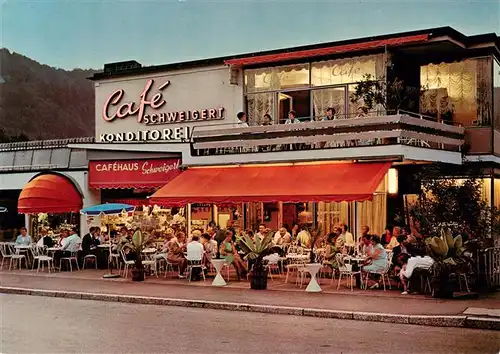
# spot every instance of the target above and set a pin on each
(31, 324)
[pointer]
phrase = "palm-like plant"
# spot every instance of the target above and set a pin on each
(256, 250)
(139, 242)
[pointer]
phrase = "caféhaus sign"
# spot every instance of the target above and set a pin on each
(115, 107)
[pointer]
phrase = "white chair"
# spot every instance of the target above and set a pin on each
(4, 252)
(195, 264)
(384, 274)
(89, 257)
(16, 257)
(346, 269)
(39, 254)
(128, 264)
(73, 257)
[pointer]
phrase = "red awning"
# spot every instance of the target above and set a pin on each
(49, 193)
(132, 173)
(319, 52)
(332, 182)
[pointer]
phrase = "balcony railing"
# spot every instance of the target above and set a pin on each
(398, 129)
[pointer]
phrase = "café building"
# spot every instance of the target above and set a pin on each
(169, 136)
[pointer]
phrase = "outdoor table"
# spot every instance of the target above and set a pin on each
(298, 257)
(22, 247)
(104, 245)
(313, 269)
(218, 264)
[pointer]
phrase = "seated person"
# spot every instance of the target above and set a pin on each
(377, 259)
(88, 243)
(304, 237)
(229, 253)
(410, 265)
(45, 240)
(195, 253)
(282, 237)
(23, 238)
(210, 247)
(175, 253)
(331, 250)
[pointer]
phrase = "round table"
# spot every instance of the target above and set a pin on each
(218, 264)
(313, 269)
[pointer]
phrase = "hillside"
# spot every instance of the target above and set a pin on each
(43, 102)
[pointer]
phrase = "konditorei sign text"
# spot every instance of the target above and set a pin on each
(116, 108)
(178, 135)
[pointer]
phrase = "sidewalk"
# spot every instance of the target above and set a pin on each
(279, 295)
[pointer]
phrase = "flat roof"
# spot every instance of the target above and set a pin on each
(432, 33)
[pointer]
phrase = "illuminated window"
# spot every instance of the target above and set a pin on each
(344, 71)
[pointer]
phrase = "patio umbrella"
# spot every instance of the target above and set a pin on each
(108, 209)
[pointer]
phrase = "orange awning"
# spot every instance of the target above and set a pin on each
(49, 193)
(338, 49)
(329, 182)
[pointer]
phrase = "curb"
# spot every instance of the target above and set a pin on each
(422, 320)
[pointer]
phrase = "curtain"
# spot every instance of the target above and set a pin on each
(276, 78)
(325, 98)
(345, 71)
(484, 91)
(450, 91)
(374, 213)
(330, 215)
(259, 104)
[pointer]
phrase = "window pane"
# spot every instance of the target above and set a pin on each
(457, 92)
(259, 104)
(299, 101)
(330, 215)
(343, 71)
(292, 76)
(326, 98)
(496, 93)
(373, 213)
(280, 77)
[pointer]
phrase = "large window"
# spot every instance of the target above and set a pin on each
(346, 71)
(459, 92)
(277, 90)
(496, 93)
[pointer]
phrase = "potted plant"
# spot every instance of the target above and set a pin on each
(139, 242)
(448, 260)
(256, 250)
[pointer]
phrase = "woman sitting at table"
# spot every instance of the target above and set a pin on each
(377, 259)
(175, 255)
(331, 250)
(229, 253)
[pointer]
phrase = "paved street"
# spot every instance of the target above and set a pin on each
(31, 324)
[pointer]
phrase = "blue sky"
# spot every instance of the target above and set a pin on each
(87, 34)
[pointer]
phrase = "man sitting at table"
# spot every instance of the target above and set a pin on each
(88, 243)
(45, 240)
(23, 238)
(195, 252)
(282, 237)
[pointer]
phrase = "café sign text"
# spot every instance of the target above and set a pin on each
(116, 108)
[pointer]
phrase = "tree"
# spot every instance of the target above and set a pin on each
(392, 95)
(457, 204)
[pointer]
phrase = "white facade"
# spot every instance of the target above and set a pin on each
(183, 98)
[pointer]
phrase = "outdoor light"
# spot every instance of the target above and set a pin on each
(392, 181)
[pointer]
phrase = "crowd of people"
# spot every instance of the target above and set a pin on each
(405, 245)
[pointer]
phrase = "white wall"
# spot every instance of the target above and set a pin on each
(195, 89)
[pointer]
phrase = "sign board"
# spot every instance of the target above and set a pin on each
(133, 173)
(165, 107)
